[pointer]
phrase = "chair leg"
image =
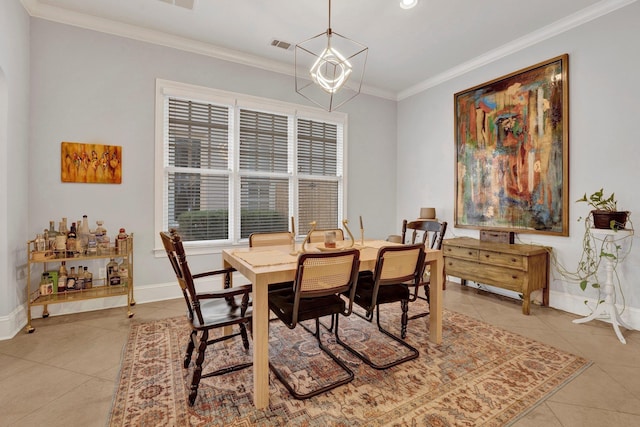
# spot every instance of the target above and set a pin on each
(413, 352)
(339, 362)
(197, 372)
(404, 305)
(192, 344)
(243, 334)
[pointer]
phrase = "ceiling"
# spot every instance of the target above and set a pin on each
(409, 50)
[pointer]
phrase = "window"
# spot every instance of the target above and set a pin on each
(229, 165)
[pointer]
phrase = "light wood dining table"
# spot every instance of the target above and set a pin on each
(275, 264)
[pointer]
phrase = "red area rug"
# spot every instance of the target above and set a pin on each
(479, 376)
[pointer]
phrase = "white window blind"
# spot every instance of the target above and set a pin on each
(234, 168)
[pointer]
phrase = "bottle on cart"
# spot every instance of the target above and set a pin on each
(113, 276)
(79, 279)
(62, 277)
(121, 242)
(101, 238)
(83, 231)
(123, 271)
(71, 279)
(71, 238)
(40, 243)
(88, 279)
(52, 236)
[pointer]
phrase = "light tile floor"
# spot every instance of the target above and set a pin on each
(64, 373)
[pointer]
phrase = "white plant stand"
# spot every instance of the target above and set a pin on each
(607, 310)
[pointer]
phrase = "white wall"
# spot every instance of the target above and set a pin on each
(14, 127)
(604, 147)
(94, 87)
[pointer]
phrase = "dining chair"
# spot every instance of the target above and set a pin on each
(431, 233)
(270, 239)
(208, 310)
(395, 267)
(317, 236)
(321, 279)
(275, 238)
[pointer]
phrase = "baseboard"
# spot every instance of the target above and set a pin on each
(15, 323)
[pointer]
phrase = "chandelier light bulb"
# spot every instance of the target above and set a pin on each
(331, 70)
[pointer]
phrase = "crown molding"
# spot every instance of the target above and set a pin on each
(37, 9)
(40, 10)
(585, 15)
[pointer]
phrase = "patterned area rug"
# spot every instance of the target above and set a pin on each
(479, 376)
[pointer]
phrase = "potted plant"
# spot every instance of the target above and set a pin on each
(605, 211)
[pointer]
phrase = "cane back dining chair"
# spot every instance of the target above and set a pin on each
(321, 279)
(270, 239)
(431, 233)
(317, 236)
(208, 310)
(388, 283)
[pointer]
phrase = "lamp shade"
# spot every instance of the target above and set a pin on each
(329, 69)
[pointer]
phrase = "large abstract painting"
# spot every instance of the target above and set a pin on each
(512, 139)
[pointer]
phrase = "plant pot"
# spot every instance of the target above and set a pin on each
(603, 219)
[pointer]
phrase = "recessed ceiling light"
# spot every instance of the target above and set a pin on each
(408, 4)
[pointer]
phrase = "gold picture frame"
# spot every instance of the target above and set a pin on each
(512, 151)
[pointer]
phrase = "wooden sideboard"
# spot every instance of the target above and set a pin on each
(521, 268)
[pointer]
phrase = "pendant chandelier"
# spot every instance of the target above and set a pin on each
(329, 68)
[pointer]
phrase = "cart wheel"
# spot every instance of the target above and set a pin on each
(45, 315)
(31, 330)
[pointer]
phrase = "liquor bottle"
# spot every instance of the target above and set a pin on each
(102, 239)
(46, 284)
(83, 232)
(62, 277)
(113, 278)
(123, 271)
(88, 279)
(121, 242)
(79, 279)
(92, 245)
(71, 279)
(40, 243)
(71, 238)
(52, 235)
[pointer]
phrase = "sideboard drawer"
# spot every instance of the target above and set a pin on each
(460, 252)
(507, 278)
(498, 258)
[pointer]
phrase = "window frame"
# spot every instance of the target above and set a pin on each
(237, 101)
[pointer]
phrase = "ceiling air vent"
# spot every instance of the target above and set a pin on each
(281, 44)
(187, 4)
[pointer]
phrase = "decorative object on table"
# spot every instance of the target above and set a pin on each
(345, 223)
(605, 211)
(512, 148)
(459, 392)
(308, 236)
(427, 213)
(361, 232)
(90, 163)
(329, 68)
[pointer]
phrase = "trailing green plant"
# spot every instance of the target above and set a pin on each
(596, 249)
(598, 201)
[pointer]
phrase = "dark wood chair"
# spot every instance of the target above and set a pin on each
(431, 234)
(208, 310)
(321, 279)
(396, 267)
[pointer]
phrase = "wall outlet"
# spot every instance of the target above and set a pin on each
(102, 273)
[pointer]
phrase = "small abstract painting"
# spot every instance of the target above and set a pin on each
(91, 163)
(512, 140)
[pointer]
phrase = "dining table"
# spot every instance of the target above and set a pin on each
(276, 264)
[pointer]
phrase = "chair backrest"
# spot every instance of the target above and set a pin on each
(326, 273)
(431, 233)
(396, 265)
(178, 258)
(270, 239)
(317, 236)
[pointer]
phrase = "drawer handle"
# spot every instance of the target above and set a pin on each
(514, 259)
(469, 253)
(514, 277)
(487, 255)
